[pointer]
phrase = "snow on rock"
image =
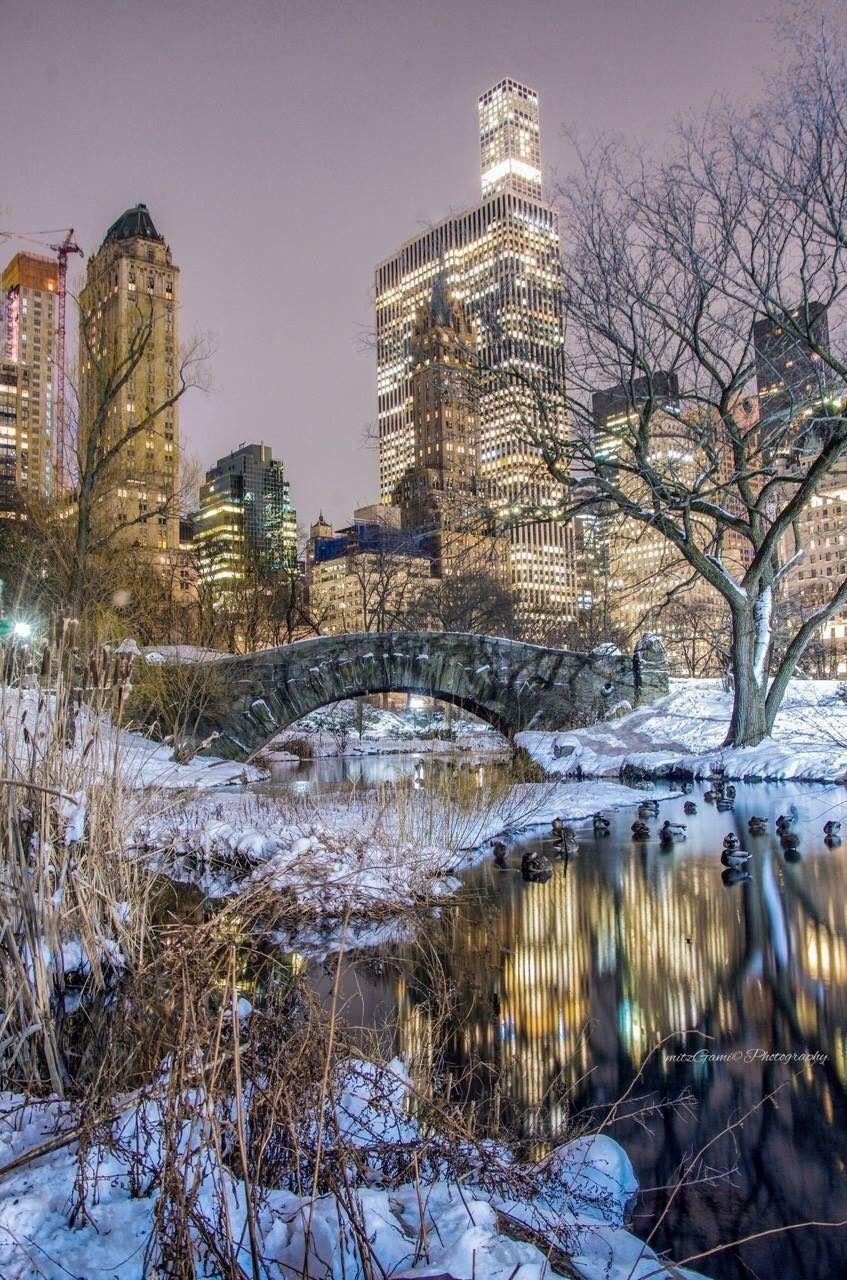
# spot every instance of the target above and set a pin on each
(682, 734)
(460, 1219)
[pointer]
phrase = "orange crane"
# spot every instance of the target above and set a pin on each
(63, 249)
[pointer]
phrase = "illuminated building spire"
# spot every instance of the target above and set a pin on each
(510, 140)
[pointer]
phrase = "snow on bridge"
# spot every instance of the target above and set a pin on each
(249, 699)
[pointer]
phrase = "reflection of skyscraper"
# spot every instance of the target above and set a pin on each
(29, 288)
(501, 260)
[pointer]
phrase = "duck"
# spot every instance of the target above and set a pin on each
(710, 796)
(735, 857)
(671, 832)
(729, 791)
(789, 839)
(724, 806)
(731, 841)
(832, 828)
(757, 826)
(689, 807)
(568, 842)
(558, 825)
(734, 875)
(501, 854)
(602, 824)
(535, 868)
(640, 831)
(787, 820)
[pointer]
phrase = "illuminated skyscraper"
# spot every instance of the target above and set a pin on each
(130, 303)
(245, 520)
(29, 287)
(500, 261)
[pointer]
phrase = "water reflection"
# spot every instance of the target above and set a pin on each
(560, 990)
(329, 772)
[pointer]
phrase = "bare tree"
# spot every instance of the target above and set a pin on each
(667, 269)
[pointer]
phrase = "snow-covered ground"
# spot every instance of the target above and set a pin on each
(362, 854)
(334, 731)
(683, 732)
(26, 725)
(496, 1220)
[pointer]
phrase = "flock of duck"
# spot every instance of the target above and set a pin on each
(536, 867)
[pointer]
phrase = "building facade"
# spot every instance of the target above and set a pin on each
(370, 576)
(441, 495)
(27, 392)
(500, 260)
(245, 521)
(129, 323)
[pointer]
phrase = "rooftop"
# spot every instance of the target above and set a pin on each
(133, 223)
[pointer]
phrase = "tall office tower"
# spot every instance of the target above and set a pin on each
(245, 519)
(614, 410)
(29, 285)
(130, 303)
(640, 581)
(439, 496)
(789, 376)
(500, 260)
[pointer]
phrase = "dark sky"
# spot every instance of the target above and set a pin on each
(284, 148)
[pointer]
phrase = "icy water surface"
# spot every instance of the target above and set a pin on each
(558, 992)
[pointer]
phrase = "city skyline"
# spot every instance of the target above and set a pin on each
(224, 185)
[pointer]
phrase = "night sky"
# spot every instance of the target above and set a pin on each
(284, 148)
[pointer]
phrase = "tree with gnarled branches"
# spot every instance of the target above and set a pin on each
(667, 269)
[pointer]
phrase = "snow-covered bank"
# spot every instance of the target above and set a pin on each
(364, 854)
(68, 1212)
(681, 735)
(27, 729)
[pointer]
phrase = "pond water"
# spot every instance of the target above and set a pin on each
(546, 1000)
(330, 772)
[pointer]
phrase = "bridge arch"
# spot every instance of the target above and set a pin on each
(509, 684)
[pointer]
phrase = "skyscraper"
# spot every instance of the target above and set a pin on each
(245, 519)
(789, 376)
(129, 324)
(500, 260)
(29, 285)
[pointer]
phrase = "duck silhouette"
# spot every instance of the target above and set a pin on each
(640, 831)
(757, 826)
(672, 832)
(735, 857)
(601, 824)
(689, 807)
(501, 854)
(535, 868)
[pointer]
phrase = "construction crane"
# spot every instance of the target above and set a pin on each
(63, 249)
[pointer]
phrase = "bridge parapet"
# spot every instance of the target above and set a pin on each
(510, 684)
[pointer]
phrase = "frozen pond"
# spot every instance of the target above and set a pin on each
(542, 1001)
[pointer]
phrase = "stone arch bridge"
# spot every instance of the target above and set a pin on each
(249, 699)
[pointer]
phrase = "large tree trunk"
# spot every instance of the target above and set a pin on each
(750, 652)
